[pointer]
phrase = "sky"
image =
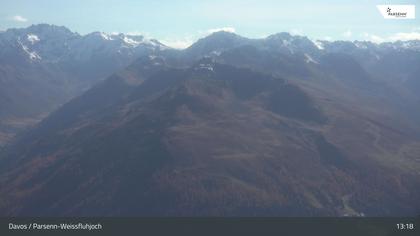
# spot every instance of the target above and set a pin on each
(179, 23)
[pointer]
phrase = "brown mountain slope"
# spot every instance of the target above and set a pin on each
(208, 140)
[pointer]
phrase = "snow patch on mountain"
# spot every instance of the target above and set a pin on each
(286, 43)
(203, 66)
(33, 56)
(309, 59)
(131, 42)
(318, 44)
(32, 38)
(105, 36)
(216, 52)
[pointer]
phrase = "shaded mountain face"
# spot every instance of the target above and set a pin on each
(211, 139)
(44, 66)
(282, 126)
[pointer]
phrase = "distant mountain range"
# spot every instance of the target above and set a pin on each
(231, 126)
(43, 66)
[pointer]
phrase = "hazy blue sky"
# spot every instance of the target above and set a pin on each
(180, 22)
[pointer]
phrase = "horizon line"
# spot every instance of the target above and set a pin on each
(210, 32)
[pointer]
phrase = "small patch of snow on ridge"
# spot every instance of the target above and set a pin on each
(310, 59)
(131, 42)
(216, 52)
(32, 55)
(105, 36)
(33, 38)
(360, 45)
(203, 66)
(286, 42)
(319, 44)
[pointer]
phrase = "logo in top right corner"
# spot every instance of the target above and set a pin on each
(397, 11)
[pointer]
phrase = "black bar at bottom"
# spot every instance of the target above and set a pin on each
(210, 226)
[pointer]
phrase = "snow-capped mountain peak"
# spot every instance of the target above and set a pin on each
(53, 44)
